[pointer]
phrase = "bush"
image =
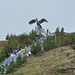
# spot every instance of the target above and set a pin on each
(18, 61)
(11, 67)
(23, 60)
(68, 54)
(73, 47)
(35, 49)
(2, 70)
(49, 43)
(59, 71)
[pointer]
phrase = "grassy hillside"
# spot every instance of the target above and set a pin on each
(3, 43)
(47, 63)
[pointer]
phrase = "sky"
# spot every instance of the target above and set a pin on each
(15, 15)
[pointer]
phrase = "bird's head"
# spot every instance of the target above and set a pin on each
(36, 20)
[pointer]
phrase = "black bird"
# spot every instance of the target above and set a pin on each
(38, 22)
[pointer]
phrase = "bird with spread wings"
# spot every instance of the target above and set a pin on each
(38, 22)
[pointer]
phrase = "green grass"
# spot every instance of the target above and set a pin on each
(48, 62)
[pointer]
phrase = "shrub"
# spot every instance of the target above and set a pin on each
(36, 48)
(11, 67)
(68, 54)
(73, 47)
(2, 70)
(49, 43)
(59, 71)
(23, 60)
(18, 61)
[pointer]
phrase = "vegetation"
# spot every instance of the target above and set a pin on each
(50, 43)
(2, 53)
(14, 42)
(59, 39)
(2, 69)
(36, 49)
(20, 60)
(73, 47)
(49, 62)
(13, 65)
(32, 35)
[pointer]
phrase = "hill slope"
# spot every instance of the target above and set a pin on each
(47, 63)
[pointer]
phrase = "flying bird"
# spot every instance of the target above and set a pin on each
(38, 22)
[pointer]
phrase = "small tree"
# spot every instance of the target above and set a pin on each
(32, 35)
(49, 43)
(18, 61)
(73, 47)
(57, 37)
(11, 67)
(62, 36)
(2, 69)
(36, 48)
(23, 60)
(7, 37)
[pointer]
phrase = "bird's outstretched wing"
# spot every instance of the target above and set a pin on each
(43, 20)
(32, 21)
